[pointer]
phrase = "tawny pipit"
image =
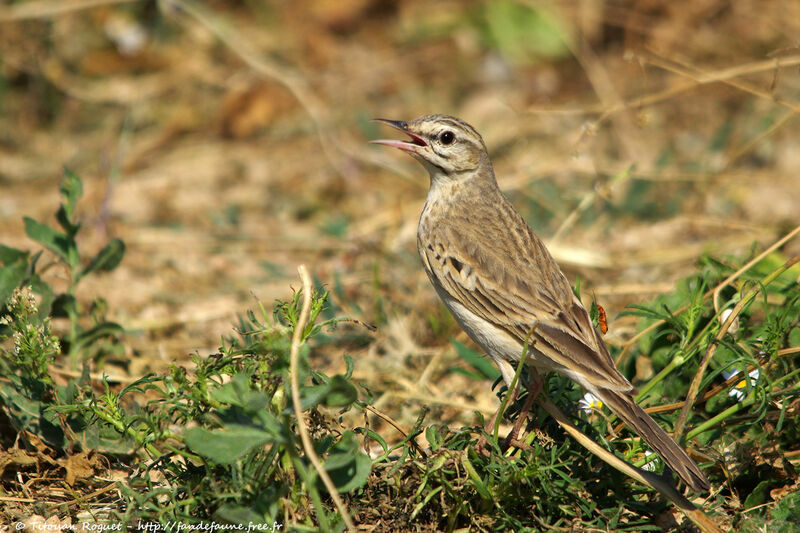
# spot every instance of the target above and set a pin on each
(503, 286)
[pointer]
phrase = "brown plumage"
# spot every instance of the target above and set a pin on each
(503, 286)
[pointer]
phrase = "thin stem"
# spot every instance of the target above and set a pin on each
(676, 362)
(712, 422)
(308, 446)
(511, 388)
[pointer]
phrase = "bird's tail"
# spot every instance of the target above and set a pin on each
(623, 405)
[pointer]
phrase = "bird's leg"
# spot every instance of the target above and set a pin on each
(534, 386)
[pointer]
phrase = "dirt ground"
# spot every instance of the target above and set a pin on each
(226, 143)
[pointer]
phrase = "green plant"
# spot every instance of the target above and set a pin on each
(222, 439)
(237, 457)
(27, 386)
(28, 390)
(87, 331)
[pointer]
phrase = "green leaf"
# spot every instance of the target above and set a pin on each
(10, 255)
(478, 361)
(65, 306)
(225, 446)
(342, 393)
(238, 392)
(468, 373)
(786, 515)
(374, 436)
(313, 396)
(104, 329)
(11, 276)
(55, 241)
(477, 482)
(30, 414)
(106, 259)
(794, 337)
(22, 411)
(72, 228)
(434, 437)
(350, 365)
(71, 190)
(348, 466)
(772, 262)
(231, 392)
(758, 495)
(104, 439)
(337, 392)
(270, 423)
(594, 315)
(67, 394)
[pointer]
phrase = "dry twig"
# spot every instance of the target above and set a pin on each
(308, 446)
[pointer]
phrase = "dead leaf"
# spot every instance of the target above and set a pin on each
(79, 466)
(16, 457)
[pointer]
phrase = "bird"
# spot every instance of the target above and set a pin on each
(503, 286)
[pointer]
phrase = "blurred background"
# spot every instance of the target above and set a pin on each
(226, 143)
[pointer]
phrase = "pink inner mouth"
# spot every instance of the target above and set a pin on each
(409, 146)
(403, 145)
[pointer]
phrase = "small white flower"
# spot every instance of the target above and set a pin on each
(650, 465)
(738, 390)
(590, 402)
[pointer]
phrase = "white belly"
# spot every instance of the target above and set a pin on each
(493, 340)
(497, 343)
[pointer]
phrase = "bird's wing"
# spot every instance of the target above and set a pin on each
(516, 285)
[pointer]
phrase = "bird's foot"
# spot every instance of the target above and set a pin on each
(534, 386)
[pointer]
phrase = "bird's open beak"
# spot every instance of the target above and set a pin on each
(409, 146)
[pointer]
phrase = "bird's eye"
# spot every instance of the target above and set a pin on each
(447, 137)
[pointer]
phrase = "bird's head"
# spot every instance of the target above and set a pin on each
(448, 147)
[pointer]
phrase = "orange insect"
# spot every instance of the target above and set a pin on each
(601, 319)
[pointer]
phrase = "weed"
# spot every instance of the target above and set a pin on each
(88, 332)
